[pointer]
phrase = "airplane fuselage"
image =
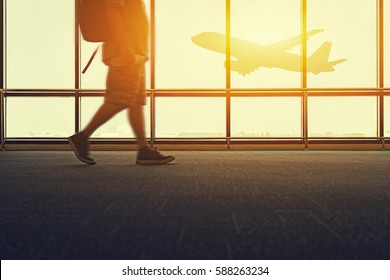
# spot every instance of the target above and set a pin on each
(248, 56)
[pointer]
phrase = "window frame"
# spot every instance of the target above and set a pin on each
(228, 92)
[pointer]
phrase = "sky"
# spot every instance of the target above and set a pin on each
(40, 54)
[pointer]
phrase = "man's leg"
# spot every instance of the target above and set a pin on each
(79, 141)
(137, 121)
(145, 154)
(104, 113)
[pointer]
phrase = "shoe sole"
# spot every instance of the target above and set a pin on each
(78, 155)
(154, 162)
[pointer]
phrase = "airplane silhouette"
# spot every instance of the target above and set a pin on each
(251, 56)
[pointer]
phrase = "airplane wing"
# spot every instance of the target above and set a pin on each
(292, 42)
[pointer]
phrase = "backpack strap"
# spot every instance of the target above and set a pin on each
(90, 60)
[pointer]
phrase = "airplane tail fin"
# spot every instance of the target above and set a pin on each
(322, 54)
(318, 61)
(335, 62)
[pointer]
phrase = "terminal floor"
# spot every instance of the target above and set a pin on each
(205, 205)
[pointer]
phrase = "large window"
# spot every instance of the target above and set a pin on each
(266, 117)
(349, 30)
(267, 60)
(42, 117)
(387, 116)
(179, 62)
(342, 116)
(220, 70)
(117, 127)
(190, 117)
(40, 44)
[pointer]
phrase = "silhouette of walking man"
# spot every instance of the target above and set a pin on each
(125, 53)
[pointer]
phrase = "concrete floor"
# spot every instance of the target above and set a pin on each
(206, 205)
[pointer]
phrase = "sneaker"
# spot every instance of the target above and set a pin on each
(147, 156)
(79, 144)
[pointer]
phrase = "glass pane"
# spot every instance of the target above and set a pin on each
(342, 116)
(349, 33)
(387, 42)
(387, 116)
(117, 127)
(180, 62)
(190, 117)
(40, 44)
(40, 117)
(261, 56)
(95, 77)
(266, 117)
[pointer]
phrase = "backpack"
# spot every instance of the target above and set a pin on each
(92, 20)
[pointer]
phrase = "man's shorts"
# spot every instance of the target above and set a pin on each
(126, 85)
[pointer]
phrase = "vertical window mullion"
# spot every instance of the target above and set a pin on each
(380, 70)
(228, 75)
(304, 73)
(152, 72)
(3, 73)
(77, 70)
(2, 45)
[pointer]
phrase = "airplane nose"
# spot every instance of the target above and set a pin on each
(195, 38)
